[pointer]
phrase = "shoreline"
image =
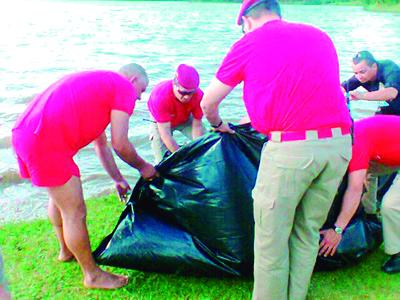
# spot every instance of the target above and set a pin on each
(377, 7)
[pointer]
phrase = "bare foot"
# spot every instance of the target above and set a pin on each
(4, 295)
(65, 256)
(105, 280)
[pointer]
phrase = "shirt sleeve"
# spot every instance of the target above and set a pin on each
(197, 111)
(351, 84)
(124, 97)
(231, 71)
(391, 75)
(360, 156)
(159, 108)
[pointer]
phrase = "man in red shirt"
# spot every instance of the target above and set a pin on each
(382, 81)
(175, 105)
(67, 116)
(376, 150)
(285, 68)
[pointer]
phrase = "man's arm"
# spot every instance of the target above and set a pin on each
(384, 94)
(124, 149)
(197, 128)
(351, 84)
(166, 136)
(351, 201)
(107, 160)
(213, 96)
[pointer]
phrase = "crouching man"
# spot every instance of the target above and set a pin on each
(376, 151)
(175, 106)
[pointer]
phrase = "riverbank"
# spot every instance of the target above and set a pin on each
(30, 250)
(388, 8)
(378, 6)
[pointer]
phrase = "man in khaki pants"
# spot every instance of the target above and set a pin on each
(292, 94)
(376, 151)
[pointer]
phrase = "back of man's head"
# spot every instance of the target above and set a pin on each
(133, 69)
(364, 56)
(258, 8)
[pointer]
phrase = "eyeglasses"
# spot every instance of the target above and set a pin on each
(186, 93)
(183, 92)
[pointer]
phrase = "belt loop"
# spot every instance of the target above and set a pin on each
(336, 132)
(311, 135)
(276, 136)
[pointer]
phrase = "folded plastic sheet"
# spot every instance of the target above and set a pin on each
(197, 217)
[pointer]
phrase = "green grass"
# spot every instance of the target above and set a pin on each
(30, 251)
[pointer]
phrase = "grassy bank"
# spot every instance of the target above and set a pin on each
(392, 6)
(30, 251)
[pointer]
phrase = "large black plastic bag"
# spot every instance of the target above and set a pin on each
(360, 237)
(197, 218)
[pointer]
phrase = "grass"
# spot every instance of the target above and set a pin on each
(30, 251)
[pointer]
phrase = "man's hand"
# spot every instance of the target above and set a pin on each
(354, 95)
(329, 243)
(148, 172)
(123, 188)
(224, 128)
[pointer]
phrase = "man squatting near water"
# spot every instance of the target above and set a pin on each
(175, 106)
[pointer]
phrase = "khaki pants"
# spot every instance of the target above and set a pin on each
(158, 146)
(295, 187)
(369, 198)
(390, 209)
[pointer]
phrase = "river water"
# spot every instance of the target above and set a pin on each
(40, 41)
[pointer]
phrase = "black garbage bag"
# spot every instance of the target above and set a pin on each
(197, 217)
(360, 237)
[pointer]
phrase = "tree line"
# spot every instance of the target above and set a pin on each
(362, 2)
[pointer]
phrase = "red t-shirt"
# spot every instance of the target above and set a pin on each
(165, 107)
(76, 109)
(376, 138)
(291, 78)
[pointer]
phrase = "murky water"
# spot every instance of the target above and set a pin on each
(40, 41)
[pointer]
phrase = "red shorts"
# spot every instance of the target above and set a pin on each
(46, 163)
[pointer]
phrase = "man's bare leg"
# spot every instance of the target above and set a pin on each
(55, 218)
(69, 200)
(4, 295)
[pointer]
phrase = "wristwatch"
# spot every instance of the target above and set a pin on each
(338, 230)
(219, 124)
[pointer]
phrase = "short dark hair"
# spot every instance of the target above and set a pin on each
(364, 55)
(264, 5)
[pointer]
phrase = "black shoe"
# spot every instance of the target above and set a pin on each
(392, 265)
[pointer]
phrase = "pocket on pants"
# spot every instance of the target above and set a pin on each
(346, 155)
(281, 176)
(293, 162)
